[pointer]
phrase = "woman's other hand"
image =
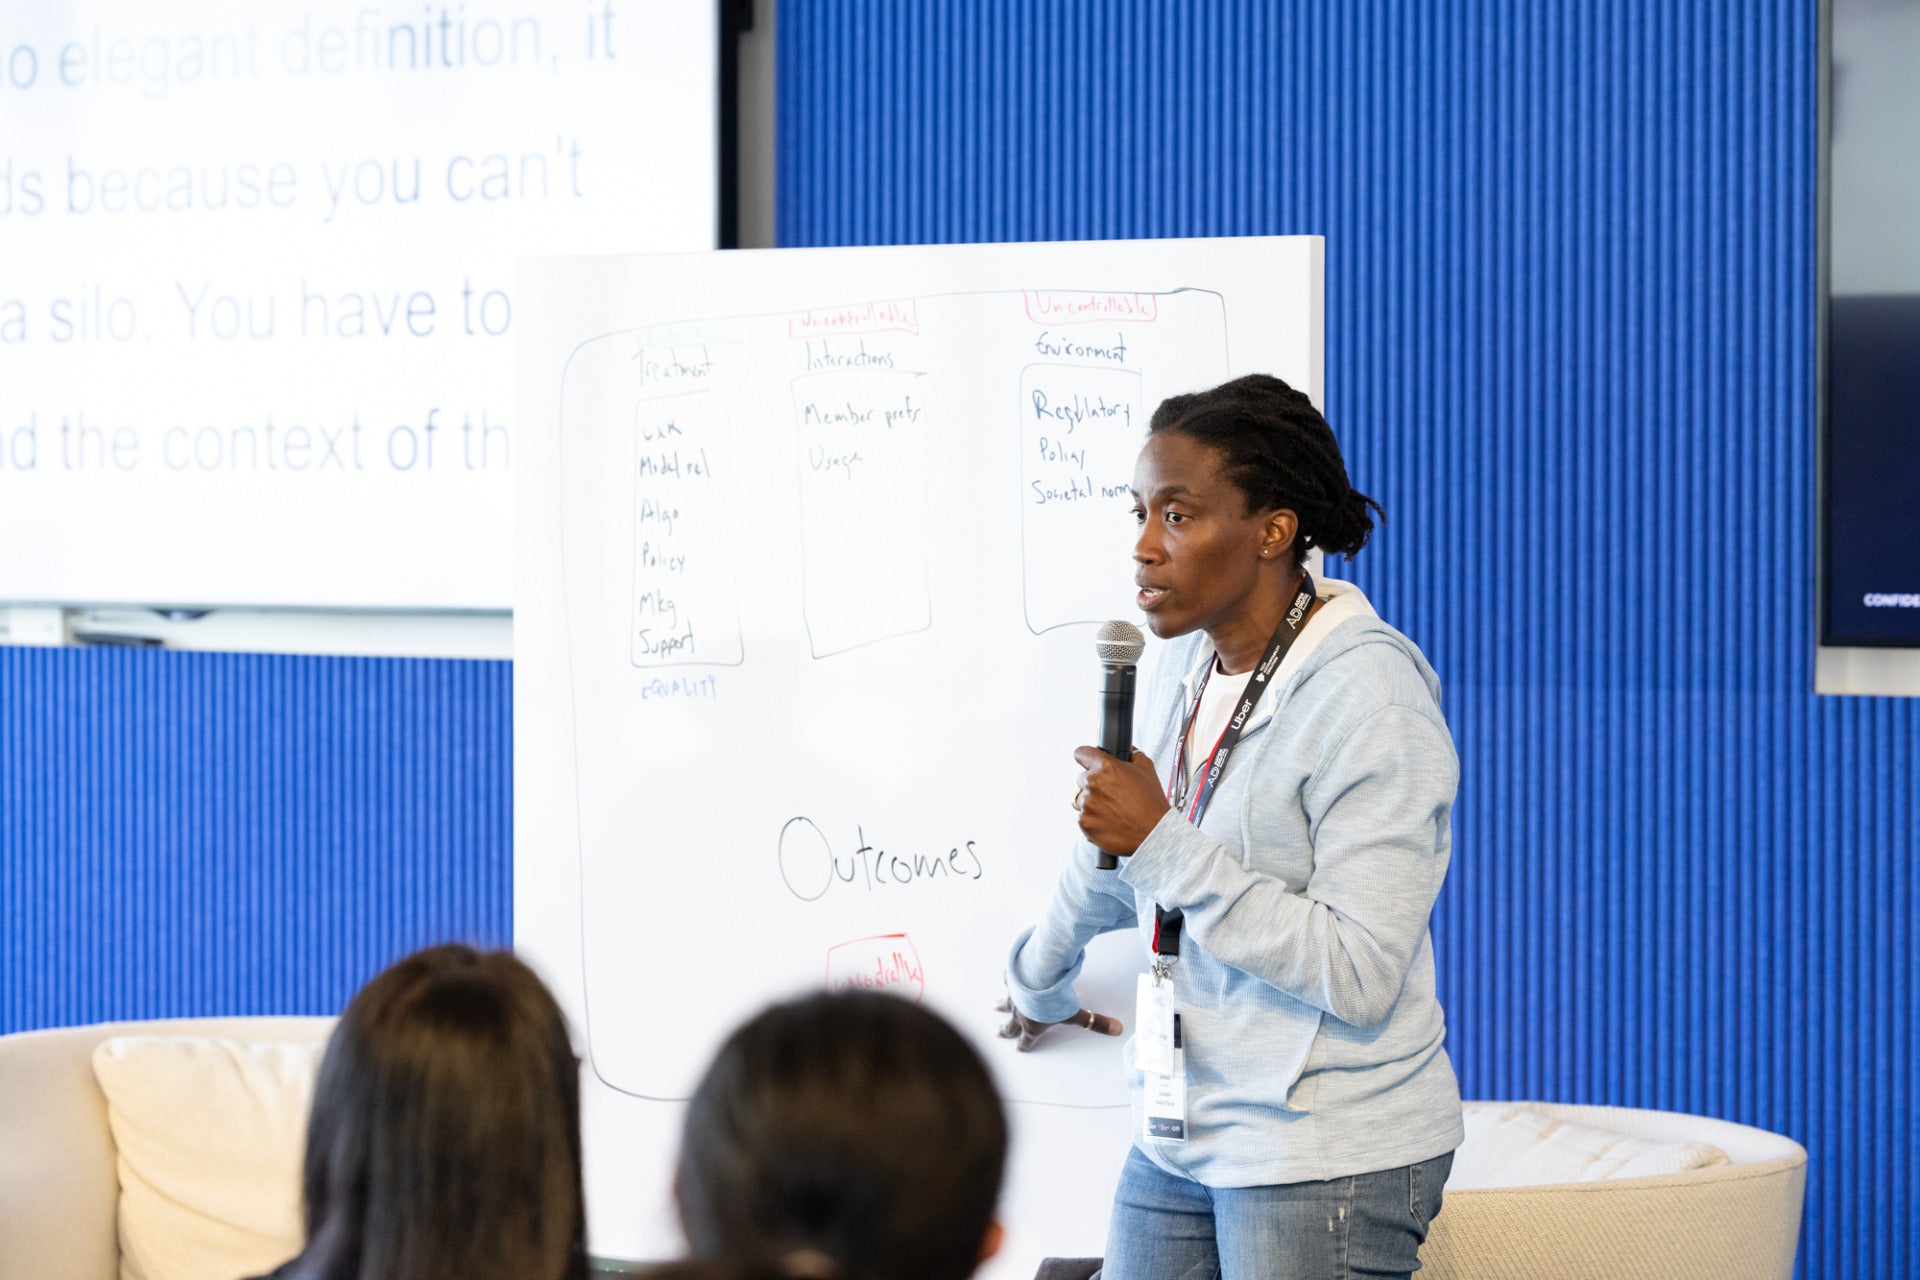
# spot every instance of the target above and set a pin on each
(1120, 801)
(1023, 1031)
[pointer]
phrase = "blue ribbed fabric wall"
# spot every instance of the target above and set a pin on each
(188, 834)
(1570, 343)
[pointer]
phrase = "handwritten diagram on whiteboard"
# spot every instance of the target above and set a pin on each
(826, 535)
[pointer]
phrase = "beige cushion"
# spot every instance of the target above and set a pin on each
(1510, 1144)
(210, 1135)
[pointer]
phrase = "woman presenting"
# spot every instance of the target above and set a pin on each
(1295, 1111)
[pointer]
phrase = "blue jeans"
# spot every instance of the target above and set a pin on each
(1166, 1227)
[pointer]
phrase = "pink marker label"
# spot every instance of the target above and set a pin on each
(884, 962)
(900, 316)
(1056, 307)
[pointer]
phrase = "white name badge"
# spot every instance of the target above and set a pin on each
(1153, 1026)
(1164, 1118)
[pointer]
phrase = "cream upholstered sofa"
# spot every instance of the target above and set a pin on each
(60, 1192)
(59, 1182)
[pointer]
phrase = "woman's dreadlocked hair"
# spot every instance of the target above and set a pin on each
(1279, 452)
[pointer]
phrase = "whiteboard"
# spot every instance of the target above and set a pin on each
(813, 545)
(256, 312)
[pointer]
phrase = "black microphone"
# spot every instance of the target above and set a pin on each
(1119, 645)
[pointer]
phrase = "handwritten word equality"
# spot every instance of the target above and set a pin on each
(1077, 410)
(901, 316)
(680, 689)
(1055, 344)
(1066, 307)
(825, 357)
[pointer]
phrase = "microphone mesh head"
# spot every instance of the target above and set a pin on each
(1119, 642)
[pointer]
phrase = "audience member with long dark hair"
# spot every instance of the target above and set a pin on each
(851, 1136)
(445, 1135)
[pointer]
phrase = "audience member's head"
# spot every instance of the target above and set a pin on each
(445, 1135)
(855, 1136)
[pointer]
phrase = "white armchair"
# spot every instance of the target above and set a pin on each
(59, 1185)
(1736, 1221)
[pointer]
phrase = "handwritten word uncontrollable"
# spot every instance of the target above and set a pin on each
(901, 316)
(1052, 306)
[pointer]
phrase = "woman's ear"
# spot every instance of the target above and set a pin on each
(991, 1242)
(1278, 533)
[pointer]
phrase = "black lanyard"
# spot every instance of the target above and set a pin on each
(1166, 924)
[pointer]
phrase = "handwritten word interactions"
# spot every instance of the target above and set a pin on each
(686, 604)
(864, 420)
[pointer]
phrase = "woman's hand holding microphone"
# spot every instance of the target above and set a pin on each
(1120, 801)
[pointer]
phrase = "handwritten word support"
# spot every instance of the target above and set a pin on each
(865, 504)
(1080, 428)
(686, 605)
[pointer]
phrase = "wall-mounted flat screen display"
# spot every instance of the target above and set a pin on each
(1871, 505)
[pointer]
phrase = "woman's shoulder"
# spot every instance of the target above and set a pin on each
(1366, 666)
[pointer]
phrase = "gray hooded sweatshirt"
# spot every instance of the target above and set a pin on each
(1313, 1037)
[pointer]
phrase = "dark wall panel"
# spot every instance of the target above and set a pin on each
(186, 833)
(1570, 337)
